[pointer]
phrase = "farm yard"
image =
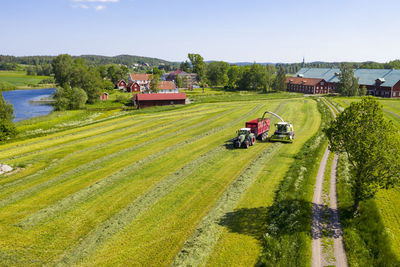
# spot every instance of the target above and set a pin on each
(149, 188)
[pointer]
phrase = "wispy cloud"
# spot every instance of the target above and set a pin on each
(97, 5)
(81, 6)
(97, 1)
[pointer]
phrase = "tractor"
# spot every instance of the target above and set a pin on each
(245, 138)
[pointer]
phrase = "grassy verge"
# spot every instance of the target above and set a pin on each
(287, 241)
(366, 239)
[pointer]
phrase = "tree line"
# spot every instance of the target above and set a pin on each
(78, 83)
(254, 77)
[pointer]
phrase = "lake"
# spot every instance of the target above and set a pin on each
(23, 108)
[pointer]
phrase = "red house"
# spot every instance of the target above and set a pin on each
(104, 96)
(308, 85)
(133, 87)
(149, 100)
(121, 84)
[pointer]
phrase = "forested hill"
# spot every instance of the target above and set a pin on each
(90, 59)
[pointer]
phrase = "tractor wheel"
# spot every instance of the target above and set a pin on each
(264, 136)
(253, 140)
(246, 144)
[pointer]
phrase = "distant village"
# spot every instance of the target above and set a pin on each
(167, 93)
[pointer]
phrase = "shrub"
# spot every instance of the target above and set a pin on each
(70, 98)
(6, 86)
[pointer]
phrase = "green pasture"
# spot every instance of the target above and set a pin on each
(141, 187)
(20, 79)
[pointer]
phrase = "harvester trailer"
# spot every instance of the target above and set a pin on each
(255, 129)
(259, 128)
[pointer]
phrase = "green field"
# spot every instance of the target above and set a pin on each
(144, 188)
(386, 201)
(20, 79)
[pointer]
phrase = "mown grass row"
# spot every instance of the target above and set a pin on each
(240, 229)
(288, 238)
(112, 151)
(128, 169)
(91, 211)
(172, 216)
(116, 157)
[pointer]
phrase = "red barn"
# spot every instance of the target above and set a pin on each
(121, 84)
(149, 100)
(308, 85)
(133, 87)
(104, 96)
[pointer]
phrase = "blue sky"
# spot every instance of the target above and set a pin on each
(236, 30)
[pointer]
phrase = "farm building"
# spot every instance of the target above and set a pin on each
(188, 79)
(149, 100)
(143, 80)
(168, 87)
(104, 96)
(308, 85)
(133, 87)
(379, 82)
(121, 85)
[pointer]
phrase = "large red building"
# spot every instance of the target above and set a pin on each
(378, 82)
(308, 85)
(150, 100)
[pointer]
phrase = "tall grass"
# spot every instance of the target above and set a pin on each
(366, 240)
(288, 237)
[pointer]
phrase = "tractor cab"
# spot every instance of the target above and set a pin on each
(244, 131)
(283, 128)
(284, 132)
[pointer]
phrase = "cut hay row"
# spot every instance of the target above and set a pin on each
(113, 225)
(110, 149)
(120, 192)
(88, 148)
(97, 187)
(92, 165)
(156, 243)
(206, 235)
(98, 146)
(240, 242)
(78, 134)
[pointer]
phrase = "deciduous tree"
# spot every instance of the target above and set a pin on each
(279, 82)
(7, 128)
(155, 83)
(348, 83)
(372, 145)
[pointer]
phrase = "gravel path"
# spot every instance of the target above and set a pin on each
(334, 226)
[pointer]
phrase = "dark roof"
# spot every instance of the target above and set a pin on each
(172, 96)
(303, 81)
(365, 76)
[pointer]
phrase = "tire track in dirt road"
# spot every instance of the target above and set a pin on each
(334, 226)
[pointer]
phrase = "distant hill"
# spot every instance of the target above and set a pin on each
(128, 60)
